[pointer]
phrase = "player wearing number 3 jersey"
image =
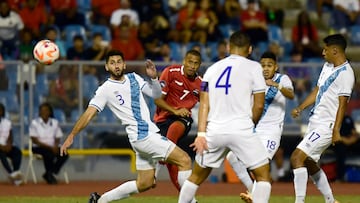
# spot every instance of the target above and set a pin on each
(124, 95)
(329, 99)
(231, 103)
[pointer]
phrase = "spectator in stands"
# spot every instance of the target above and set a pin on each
(63, 91)
(305, 36)
(206, 28)
(77, 50)
(11, 25)
(299, 75)
(45, 133)
(149, 39)
(51, 33)
(186, 22)
(125, 9)
(34, 17)
(64, 13)
(128, 44)
(97, 52)
(164, 54)
(274, 14)
(102, 10)
(26, 45)
(222, 51)
(321, 5)
(349, 137)
(98, 48)
(158, 19)
(230, 14)
(345, 14)
(254, 23)
(9, 150)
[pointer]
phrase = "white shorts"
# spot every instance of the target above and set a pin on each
(245, 145)
(150, 150)
(316, 140)
(270, 137)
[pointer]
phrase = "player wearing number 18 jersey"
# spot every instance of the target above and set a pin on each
(231, 102)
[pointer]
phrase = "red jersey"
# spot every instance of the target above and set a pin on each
(180, 91)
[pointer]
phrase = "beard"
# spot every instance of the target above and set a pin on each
(116, 74)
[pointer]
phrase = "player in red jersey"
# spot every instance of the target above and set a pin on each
(180, 93)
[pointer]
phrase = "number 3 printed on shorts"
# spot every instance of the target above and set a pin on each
(314, 136)
(223, 80)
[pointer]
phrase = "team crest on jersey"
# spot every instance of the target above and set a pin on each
(162, 83)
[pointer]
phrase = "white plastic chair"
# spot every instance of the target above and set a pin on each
(30, 167)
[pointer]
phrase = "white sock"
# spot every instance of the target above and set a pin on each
(182, 176)
(300, 183)
(253, 187)
(240, 170)
(158, 167)
(121, 192)
(321, 182)
(261, 192)
(187, 192)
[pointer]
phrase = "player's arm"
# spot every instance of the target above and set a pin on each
(161, 103)
(258, 106)
(200, 143)
(309, 100)
(343, 101)
(80, 124)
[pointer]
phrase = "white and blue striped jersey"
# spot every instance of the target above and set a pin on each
(232, 82)
(275, 103)
(125, 99)
(332, 83)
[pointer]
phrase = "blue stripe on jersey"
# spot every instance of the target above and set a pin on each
(143, 127)
(326, 86)
(270, 95)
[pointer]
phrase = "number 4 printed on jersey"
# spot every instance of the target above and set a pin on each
(223, 80)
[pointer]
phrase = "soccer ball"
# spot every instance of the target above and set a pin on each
(46, 52)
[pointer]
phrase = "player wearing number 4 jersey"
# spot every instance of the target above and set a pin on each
(123, 94)
(231, 103)
(269, 129)
(329, 99)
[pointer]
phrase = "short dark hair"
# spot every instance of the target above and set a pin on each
(113, 53)
(240, 39)
(78, 37)
(269, 55)
(337, 40)
(193, 52)
(47, 105)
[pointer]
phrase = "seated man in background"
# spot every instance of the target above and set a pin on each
(45, 133)
(8, 150)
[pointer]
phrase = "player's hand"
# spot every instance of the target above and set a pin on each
(150, 69)
(296, 112)
(66, 145)
(183, 112)
(200, 145)
(336, 137)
